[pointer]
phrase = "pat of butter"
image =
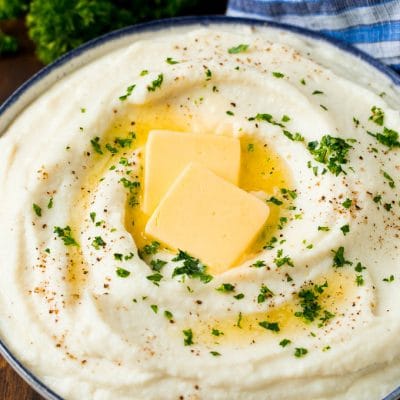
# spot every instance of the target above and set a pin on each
(168, 153)
(208, 217)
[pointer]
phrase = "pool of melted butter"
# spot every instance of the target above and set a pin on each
(262, 169)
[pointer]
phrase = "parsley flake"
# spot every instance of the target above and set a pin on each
(156, 83)
(241, 48)
(129, 91)
(226, 288)
(300, 352)
(65, 235)
(188, 337)
(271, 326)
(37, 209)
(122, 273)
(171, 61)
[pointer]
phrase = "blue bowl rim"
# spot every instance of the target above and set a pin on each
(157, 25)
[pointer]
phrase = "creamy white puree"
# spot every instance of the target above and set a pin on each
(91, 334)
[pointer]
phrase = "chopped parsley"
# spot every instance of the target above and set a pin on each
(265, 118)
(129, 91)
(239, 296)
(345, 229)
(95, 142)
(241, 48)
(216, 332)
(230, 113)
(168, 315)
(300, 352)
(269, 245)
(275, 201)
(157, 265)
(359, 267)
(296, 137)
(208, 74)
(287, 192)
(311, 309)
(50, 204)
(258, 264)
(285, 118)
(156, 83)
(271, 326)
(389, 279)
(347, 203)
(226, 288)
(359, 280)
(285, 342)
(278, 74)
(281, 260)
(155, 278)
(331, 151)
(98, 242)
(250, 147)
(65, 235)
(324, 228)
(144, 72)
(389, 137)
(37, 209)
(151, 248)
(309, 304)
(338, 258)
(122, 273)
(111, 149)
(265, 293)
(192, 267)
(154, 307)
(215, 353)
(171, 61)
(188, 337)
(389, 179)
(118, 256)
(239, 320)
(377, 115)
(317, 92)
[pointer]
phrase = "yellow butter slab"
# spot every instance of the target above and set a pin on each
(208, 217)
(168, 153)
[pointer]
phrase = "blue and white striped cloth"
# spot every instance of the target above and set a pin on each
(371, 25)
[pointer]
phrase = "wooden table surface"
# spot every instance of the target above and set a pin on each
(14, 70)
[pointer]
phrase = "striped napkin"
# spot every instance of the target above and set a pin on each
(371, 25)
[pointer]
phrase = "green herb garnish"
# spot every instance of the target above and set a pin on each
(188, 337)
(171, 61)
(128, 92)
(192, 267)
(271, 326)
(156, 83)
(95, 142)
(122, 273)
(300, 352)
(98, 242)
(37, 209)
(331, 151)
(155, 278)
(377, 115)
(226, 288)
(65, 235)
(238, 49)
